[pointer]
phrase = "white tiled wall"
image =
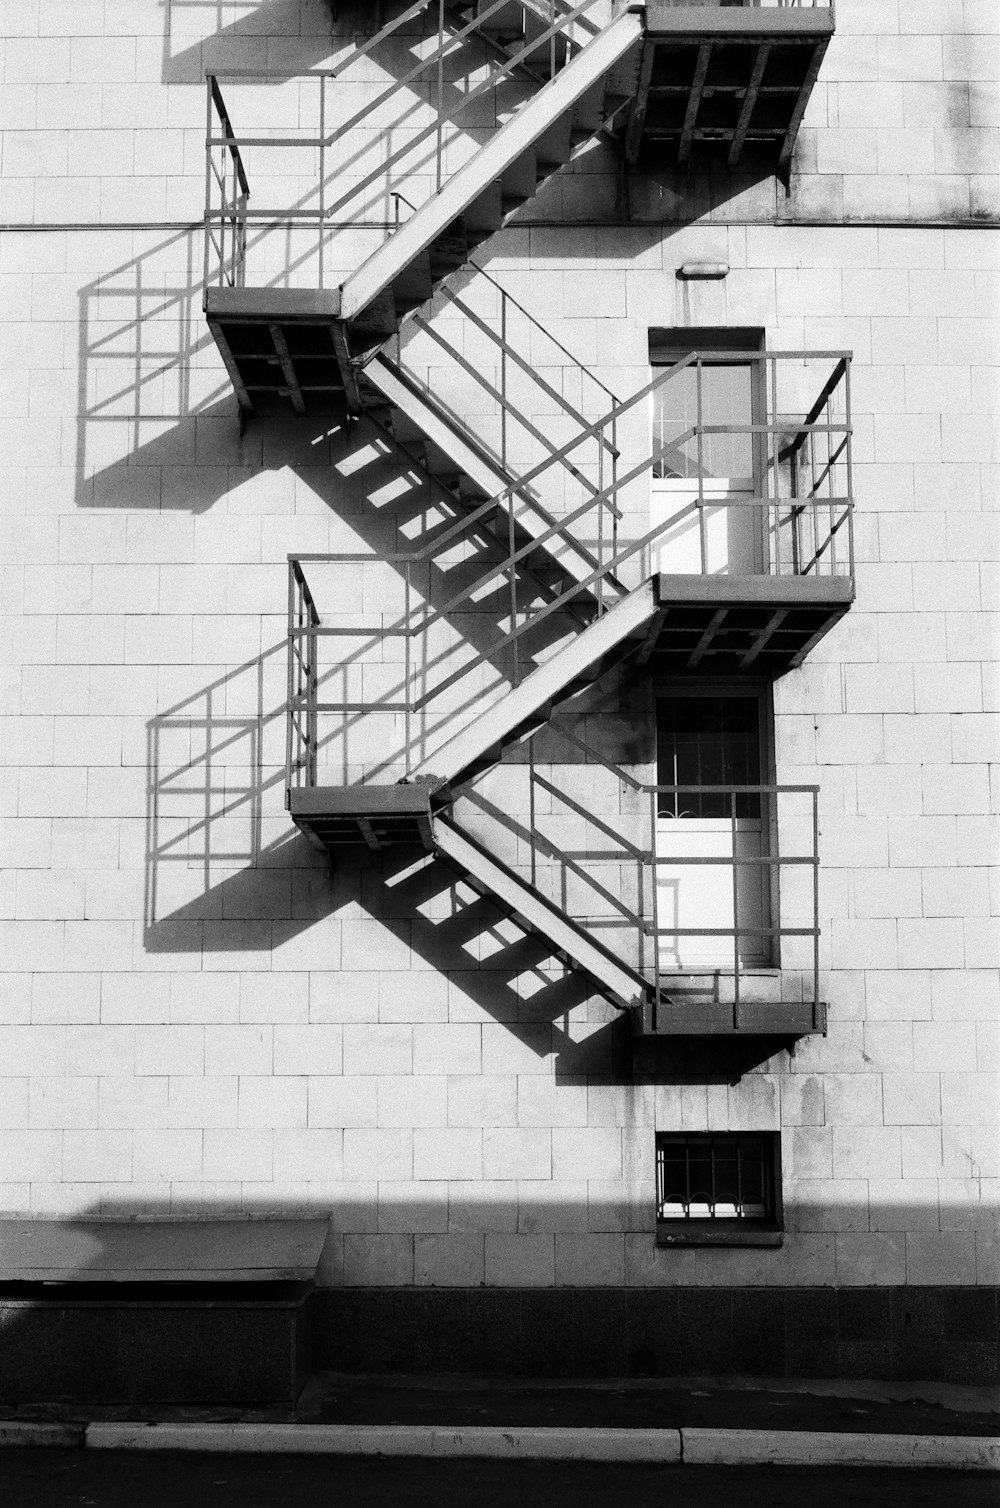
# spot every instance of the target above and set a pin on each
(197, 1018)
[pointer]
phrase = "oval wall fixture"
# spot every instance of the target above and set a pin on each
(703, 270)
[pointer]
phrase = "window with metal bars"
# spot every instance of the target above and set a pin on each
(718, 1187)
(708, 741)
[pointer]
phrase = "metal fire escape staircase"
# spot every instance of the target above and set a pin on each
(402, 276)
(281, 341)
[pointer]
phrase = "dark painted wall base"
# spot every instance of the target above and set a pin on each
(928, 1334)
(155, 1342)
(255, 1343)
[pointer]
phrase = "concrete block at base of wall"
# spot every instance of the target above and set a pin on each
(142, 1343)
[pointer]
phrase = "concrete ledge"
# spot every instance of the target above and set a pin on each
(752, 1447)
(693, 1447)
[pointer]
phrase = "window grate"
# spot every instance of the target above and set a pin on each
(724, 1177)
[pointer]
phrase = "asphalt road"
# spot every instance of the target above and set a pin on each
(106, 1479)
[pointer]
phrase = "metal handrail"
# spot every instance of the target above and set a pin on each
(560, 27)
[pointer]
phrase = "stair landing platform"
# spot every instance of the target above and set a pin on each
(759, 625)
(372, 815)
(286, 343)
(729, 77)
(719, 1018)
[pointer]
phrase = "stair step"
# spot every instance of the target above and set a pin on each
(519, 178)
(484, 214)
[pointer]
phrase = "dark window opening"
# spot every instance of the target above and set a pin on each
(717, 1182)
(708, 741)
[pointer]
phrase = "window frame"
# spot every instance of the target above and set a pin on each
(667, 346)
(766, 1231)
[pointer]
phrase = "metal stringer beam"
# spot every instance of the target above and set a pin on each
(287, 368)
(637, 114)
(773, 624)
(749, 101)
(348, 371)
(242, 396)
(701, 648)
(785, 155)
(694, 101)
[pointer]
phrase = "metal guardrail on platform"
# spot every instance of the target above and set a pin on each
(804, 500)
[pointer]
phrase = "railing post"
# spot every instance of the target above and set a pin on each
(771, 440)
(313, 696)
(600, 519)
(322, 169)
(440, 93)
(815, 870)
(850, 471)
(736, 916)
(503, 379)
(516, 672)
(532, 814)
(654, 871)
(702, 528)
(407, 671)
(290, 710)
(208, 169)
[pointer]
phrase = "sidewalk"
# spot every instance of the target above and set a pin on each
(691, 1420)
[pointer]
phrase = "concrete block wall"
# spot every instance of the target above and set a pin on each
(197, 1016)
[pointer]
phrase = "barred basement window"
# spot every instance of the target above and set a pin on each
(718, 1188)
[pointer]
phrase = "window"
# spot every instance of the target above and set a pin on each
(705, 485)
(716, 886)
(720, 392)
(708, 741)
(718, 1188)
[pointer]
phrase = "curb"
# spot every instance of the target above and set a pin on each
(688, 1446)
(754, 1447)
(531, 1443)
